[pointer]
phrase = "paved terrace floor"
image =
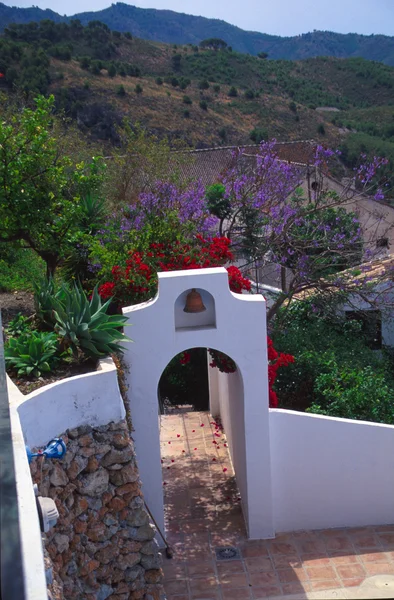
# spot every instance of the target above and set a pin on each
(203, 513)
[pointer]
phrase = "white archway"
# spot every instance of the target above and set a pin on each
(238, 329)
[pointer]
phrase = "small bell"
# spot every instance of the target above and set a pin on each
(194, 303)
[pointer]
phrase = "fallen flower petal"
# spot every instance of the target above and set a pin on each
(224, 470)
(178, 435)
(172, 460)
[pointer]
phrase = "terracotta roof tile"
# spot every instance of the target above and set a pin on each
(210, 164)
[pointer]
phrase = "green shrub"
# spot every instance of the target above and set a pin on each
(159, 81)
(258, 134)
(233, 93)
(33, 353)
(321, 129)
(320, 339)
(111, 70)
(84, 326)
(187, 100)
(249, 94)
(354, 394)
(138, 89)
(120, 91)
(203, 105)
(186, 114)
(18, 325)
(203, 85)
(19, 268)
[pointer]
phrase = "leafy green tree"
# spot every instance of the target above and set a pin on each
(40, 185)
(233, 93)
(213, 44)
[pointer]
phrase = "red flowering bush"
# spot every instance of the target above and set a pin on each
(276, 360)
(136, 281)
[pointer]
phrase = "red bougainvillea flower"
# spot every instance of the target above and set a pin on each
(202, 425)
(106, 290)
(178, 435)
(224, 470)
(172, 460)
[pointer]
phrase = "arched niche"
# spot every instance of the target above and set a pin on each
(202, 320)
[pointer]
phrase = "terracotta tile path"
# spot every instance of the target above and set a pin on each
(203, 512)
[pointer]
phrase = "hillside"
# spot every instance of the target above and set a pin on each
(178, 28)
(201, 97)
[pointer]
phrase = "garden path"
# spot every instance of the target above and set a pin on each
(203, 513)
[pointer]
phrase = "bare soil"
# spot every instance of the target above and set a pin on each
(64, 370)
(15, 302)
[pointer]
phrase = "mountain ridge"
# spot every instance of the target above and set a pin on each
(180, 28)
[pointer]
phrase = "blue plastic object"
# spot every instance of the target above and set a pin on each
(56, 448)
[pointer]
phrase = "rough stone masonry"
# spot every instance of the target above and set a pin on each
(103, 545)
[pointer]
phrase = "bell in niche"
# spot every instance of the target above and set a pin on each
(194, 303)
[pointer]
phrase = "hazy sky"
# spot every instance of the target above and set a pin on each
(282, 17)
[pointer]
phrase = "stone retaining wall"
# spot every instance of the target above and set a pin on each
(103, 544)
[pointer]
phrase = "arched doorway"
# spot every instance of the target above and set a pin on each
(197, 456)
(234, 325)
(184, 381)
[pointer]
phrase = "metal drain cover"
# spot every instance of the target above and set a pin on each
(227, 553)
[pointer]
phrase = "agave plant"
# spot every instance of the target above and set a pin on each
(45, 295)
(31, 354)
(84, 325)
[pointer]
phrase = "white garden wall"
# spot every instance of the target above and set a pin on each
(329, 472)
(89, 399)
(228, 390)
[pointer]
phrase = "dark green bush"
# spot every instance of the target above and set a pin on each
(203, 85)
(187, 100)
(203, 105)
(31, 353)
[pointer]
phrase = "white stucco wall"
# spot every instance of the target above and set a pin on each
(240, 332)
(230, 395)
(89, 399)
(29, 527)
(329, 472)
